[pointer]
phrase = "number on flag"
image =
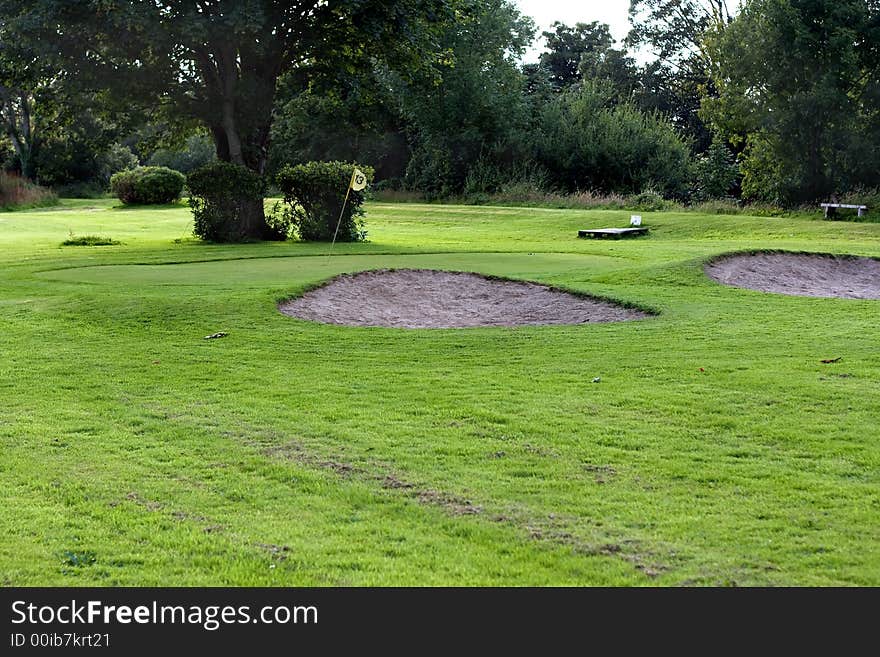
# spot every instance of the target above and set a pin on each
(358, 180)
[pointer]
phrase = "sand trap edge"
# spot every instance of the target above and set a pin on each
(711, 260)
(650, 312)
(818, 254)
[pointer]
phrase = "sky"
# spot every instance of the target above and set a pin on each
(545, 12)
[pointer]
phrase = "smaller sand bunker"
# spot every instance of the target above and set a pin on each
(800, 274)
(423, 298)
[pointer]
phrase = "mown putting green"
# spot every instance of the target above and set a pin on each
(254, 273)
(715, 448)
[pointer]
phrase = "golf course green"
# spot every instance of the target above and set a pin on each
(705, 445)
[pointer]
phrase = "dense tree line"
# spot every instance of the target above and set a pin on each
(477, 119)
(798, 92)
(772, 100)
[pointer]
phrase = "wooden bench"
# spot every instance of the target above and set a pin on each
(832, 206)
(613, 233)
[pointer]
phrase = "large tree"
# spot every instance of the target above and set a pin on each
(59, 134)
(349, 116)
(473, 118)
(17, 117)
(22, 79)
(586, 51)
(799, 87)
(217, 62)
(675, 32)
(674, 29)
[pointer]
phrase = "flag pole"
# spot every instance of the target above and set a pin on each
(341, 212)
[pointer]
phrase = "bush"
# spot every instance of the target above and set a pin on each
(488, 177)
(869, 197)
(227, 204)
(388, 185)
(535, 195)
(647, 201)
(147, 185)
(765, 179)
(434, 171)
(587, 139)
(314, 193)
(718, 206)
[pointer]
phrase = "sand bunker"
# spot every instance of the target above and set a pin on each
(422, 298)
(800, 274)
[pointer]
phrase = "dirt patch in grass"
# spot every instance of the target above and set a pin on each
(424, 298)
(800, 274)
(550, 529)
(153, 505)
(149, 505)
(453, 505)
(277, 552)
(603, 473)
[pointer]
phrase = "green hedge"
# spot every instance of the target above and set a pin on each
(314, 193)
(227, 204)
(147, 185)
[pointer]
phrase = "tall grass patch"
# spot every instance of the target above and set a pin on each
(17, 192)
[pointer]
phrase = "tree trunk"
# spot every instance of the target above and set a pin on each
(231, 131)
(27, 131)
(220, 143)
(252, 219)
(221, 73)
(15, 111)
(227, 68)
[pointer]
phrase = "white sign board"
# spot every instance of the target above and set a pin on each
(635, 220)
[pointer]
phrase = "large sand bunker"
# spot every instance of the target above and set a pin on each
(424, 298)
(800, 274)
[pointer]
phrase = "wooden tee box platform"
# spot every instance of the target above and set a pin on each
(613, 233)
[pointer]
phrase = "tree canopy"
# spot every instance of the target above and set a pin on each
(218, 62)
(799, 89)
(768, 100)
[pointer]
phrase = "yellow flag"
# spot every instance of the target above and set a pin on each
(358, 180)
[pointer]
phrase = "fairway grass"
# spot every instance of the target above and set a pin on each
(714, 447)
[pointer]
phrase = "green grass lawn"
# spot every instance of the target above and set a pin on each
(716, 449)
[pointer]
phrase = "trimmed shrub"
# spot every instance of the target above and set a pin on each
(227, 204)
(147, 185)
(314, 193)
